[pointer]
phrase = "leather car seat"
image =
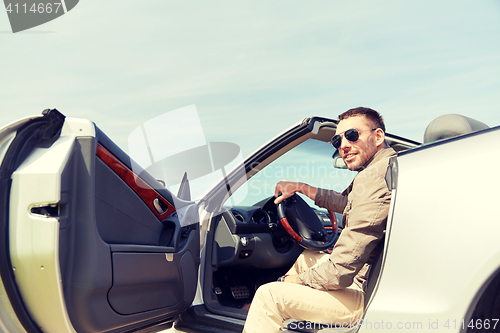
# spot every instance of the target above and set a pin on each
(451, 125)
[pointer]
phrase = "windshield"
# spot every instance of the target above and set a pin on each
(310, 162)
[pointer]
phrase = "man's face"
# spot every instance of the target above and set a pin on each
(356, 154)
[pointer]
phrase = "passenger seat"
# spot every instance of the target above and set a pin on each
(451, 125)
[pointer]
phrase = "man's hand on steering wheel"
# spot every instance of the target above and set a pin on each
(285, 189)
(299, 220)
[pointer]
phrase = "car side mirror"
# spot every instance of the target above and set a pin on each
(184, 191)
(338, 161)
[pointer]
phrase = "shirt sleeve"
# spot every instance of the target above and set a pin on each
(331, 200)
(366, 214)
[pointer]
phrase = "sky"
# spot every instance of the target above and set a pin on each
(255, 68)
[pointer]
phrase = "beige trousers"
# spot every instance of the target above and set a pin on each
(277, 302)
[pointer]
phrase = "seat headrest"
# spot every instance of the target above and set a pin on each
(451, 125)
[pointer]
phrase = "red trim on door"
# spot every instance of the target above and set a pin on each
(143, 190)
(290, 231)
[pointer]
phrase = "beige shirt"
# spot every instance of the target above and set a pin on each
(365, 206)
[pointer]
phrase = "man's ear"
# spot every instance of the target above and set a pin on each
(380, 138)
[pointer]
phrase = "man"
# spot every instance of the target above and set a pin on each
(331, 288)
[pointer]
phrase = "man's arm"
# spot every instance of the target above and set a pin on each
(332, 200)
(328, 199)
(285, 189)
(367, 216)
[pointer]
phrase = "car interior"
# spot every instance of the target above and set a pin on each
(247, 244)
(250, 247)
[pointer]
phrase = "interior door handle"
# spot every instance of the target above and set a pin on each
(159, 206)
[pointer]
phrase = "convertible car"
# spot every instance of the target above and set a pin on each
(94, 242)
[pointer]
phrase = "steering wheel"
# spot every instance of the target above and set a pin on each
(304, 226)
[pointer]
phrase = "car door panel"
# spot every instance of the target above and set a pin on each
(130, 265)
(120, 216)
(142, 282)
(160, 207)
(119, 263)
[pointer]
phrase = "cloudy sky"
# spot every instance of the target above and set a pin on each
(254, 68)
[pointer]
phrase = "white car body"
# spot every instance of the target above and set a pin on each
(442, 248)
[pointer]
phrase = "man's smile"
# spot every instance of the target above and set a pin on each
(349, 157)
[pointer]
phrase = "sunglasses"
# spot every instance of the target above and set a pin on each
(352, 135)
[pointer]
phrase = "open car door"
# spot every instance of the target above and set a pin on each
(89, 244)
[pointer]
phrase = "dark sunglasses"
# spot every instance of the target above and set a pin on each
(352, 135)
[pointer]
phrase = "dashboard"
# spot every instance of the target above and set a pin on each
(263, 217)
(253, 236)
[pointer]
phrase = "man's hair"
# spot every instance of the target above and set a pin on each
(372, 115)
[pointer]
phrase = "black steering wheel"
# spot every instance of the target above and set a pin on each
(304, 226)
